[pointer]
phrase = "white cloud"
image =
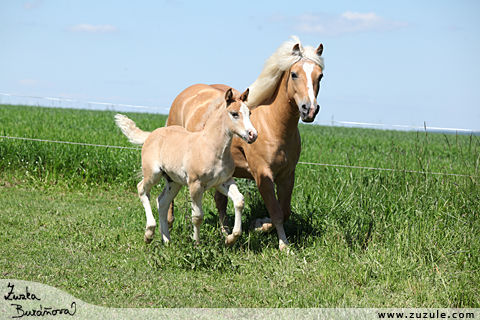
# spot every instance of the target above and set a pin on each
(347, 22)
(88, 28)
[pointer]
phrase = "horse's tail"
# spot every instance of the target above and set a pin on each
(134, 134)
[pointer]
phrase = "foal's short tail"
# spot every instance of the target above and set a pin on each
(134, 134)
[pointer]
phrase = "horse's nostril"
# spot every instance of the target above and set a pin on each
(304, 106)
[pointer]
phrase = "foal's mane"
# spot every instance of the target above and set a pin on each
(280, 61)
(212, 108)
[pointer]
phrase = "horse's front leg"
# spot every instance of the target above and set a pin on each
(266, 187)
(229, 188)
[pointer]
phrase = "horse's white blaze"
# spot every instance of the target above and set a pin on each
(308, 68)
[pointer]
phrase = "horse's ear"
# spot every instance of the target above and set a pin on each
(244, 95)
(320, 50)
(296, 50)
(229, 96)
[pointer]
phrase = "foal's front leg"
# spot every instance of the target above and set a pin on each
(196, 194)
(229, 188)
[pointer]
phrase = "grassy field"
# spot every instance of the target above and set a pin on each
(70, 218)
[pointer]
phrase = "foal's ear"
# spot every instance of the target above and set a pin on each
(244, 95)
(296, 50)
(320, 50)
(229, 96)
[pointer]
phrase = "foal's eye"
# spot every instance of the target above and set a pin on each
(234, 114)
(294, 75)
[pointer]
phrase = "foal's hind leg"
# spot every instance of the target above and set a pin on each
(163, 201)
(144, 188)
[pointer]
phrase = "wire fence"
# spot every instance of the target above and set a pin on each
(107, 104)
(300, 162)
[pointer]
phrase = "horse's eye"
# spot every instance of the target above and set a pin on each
(294, 75)
(234, 114)
(320, 77)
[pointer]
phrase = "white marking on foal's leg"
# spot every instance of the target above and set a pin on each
(230, 189)
(144, 194)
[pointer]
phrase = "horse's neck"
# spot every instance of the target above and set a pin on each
(280, 112)
(216, 136)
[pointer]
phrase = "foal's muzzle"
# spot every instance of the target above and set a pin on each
(252, 136)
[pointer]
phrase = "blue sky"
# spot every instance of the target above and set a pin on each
(402, 62)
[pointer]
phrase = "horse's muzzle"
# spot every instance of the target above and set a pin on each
(309, 115)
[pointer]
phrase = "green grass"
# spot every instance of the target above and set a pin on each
(70, 218)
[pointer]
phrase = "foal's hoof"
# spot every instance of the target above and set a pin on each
(149, 233)
(230, 240)
(147, 241)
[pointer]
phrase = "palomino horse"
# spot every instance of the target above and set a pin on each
(286, 91)
(201, 160)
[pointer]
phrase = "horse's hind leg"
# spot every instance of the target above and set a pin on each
(171, 216)
(266, 186)
(163, 201)
(221, 200)
(229, 188)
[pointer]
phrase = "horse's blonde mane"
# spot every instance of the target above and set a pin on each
(280, 61)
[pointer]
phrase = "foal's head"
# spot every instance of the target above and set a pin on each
(239, 116)
(304, 84)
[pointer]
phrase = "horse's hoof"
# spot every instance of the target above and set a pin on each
(267, 227)
(225, 230)
(285, 247)
(264, 225)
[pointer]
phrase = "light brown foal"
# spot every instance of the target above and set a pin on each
(201, 160)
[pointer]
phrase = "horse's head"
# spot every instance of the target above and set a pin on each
(239, 116)
(304, 84)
